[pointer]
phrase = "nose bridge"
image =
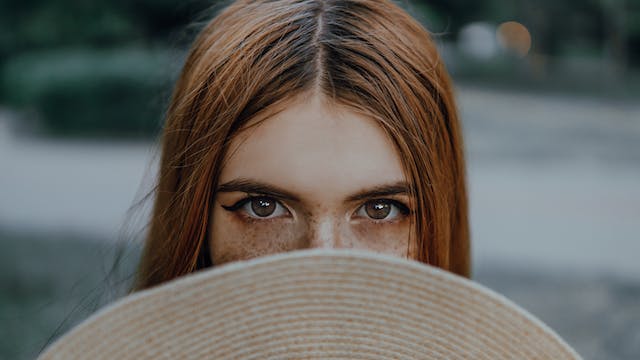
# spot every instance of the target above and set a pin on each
(326, 233)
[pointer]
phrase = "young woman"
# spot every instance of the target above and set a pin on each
(298, 124)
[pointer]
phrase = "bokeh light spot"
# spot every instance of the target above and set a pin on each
(478, 40)
(514, 37)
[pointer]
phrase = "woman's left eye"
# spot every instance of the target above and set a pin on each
(382, 209)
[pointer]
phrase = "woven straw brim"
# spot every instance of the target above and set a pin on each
(314, 304)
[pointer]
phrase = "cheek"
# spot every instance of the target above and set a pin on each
(391, 239)
(235, 239)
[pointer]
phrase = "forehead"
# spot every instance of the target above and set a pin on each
(314, 149)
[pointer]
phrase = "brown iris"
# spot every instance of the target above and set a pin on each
(263, 207)
(378, 209)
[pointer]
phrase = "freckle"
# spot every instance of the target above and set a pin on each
(261, 240)
(304, 232)
(365, 232)
(391, 239)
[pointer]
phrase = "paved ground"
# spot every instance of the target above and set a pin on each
(59, 186)
(598, 315)
(555, 205)
(554, 180)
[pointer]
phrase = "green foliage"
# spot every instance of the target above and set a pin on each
(92, 92)
(32, 24)
(26, 25)
(65, 59)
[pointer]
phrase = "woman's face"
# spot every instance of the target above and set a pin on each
(313, 176)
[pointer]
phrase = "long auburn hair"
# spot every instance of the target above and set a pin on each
(252, 58)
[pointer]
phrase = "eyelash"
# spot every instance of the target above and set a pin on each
(402, 208)
(241, 203)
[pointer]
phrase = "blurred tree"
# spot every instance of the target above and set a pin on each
(36, 24)
(160, 19)
(454, 13)
(632, 31)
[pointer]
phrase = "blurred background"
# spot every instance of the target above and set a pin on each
(548, 91)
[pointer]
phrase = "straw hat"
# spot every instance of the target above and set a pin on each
(312, 304)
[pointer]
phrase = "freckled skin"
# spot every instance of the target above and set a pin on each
(384, 239)
(249, 241)
(323, 153)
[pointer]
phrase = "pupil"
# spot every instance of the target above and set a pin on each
(378, 210)
(263, 206)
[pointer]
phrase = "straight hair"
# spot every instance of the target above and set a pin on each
(255, 56)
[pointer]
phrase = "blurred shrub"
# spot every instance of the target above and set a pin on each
(26, 25)
(31, 24)
(92, 92)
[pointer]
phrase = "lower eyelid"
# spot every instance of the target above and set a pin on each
(372, 222)
(401, 217)
(259, 221)
(382, 224)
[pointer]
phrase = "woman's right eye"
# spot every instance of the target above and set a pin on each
(259, 207)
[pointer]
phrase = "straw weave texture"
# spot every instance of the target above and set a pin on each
(314, 304)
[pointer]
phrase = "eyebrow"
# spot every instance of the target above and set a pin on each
(397, 188)
(254, 186)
